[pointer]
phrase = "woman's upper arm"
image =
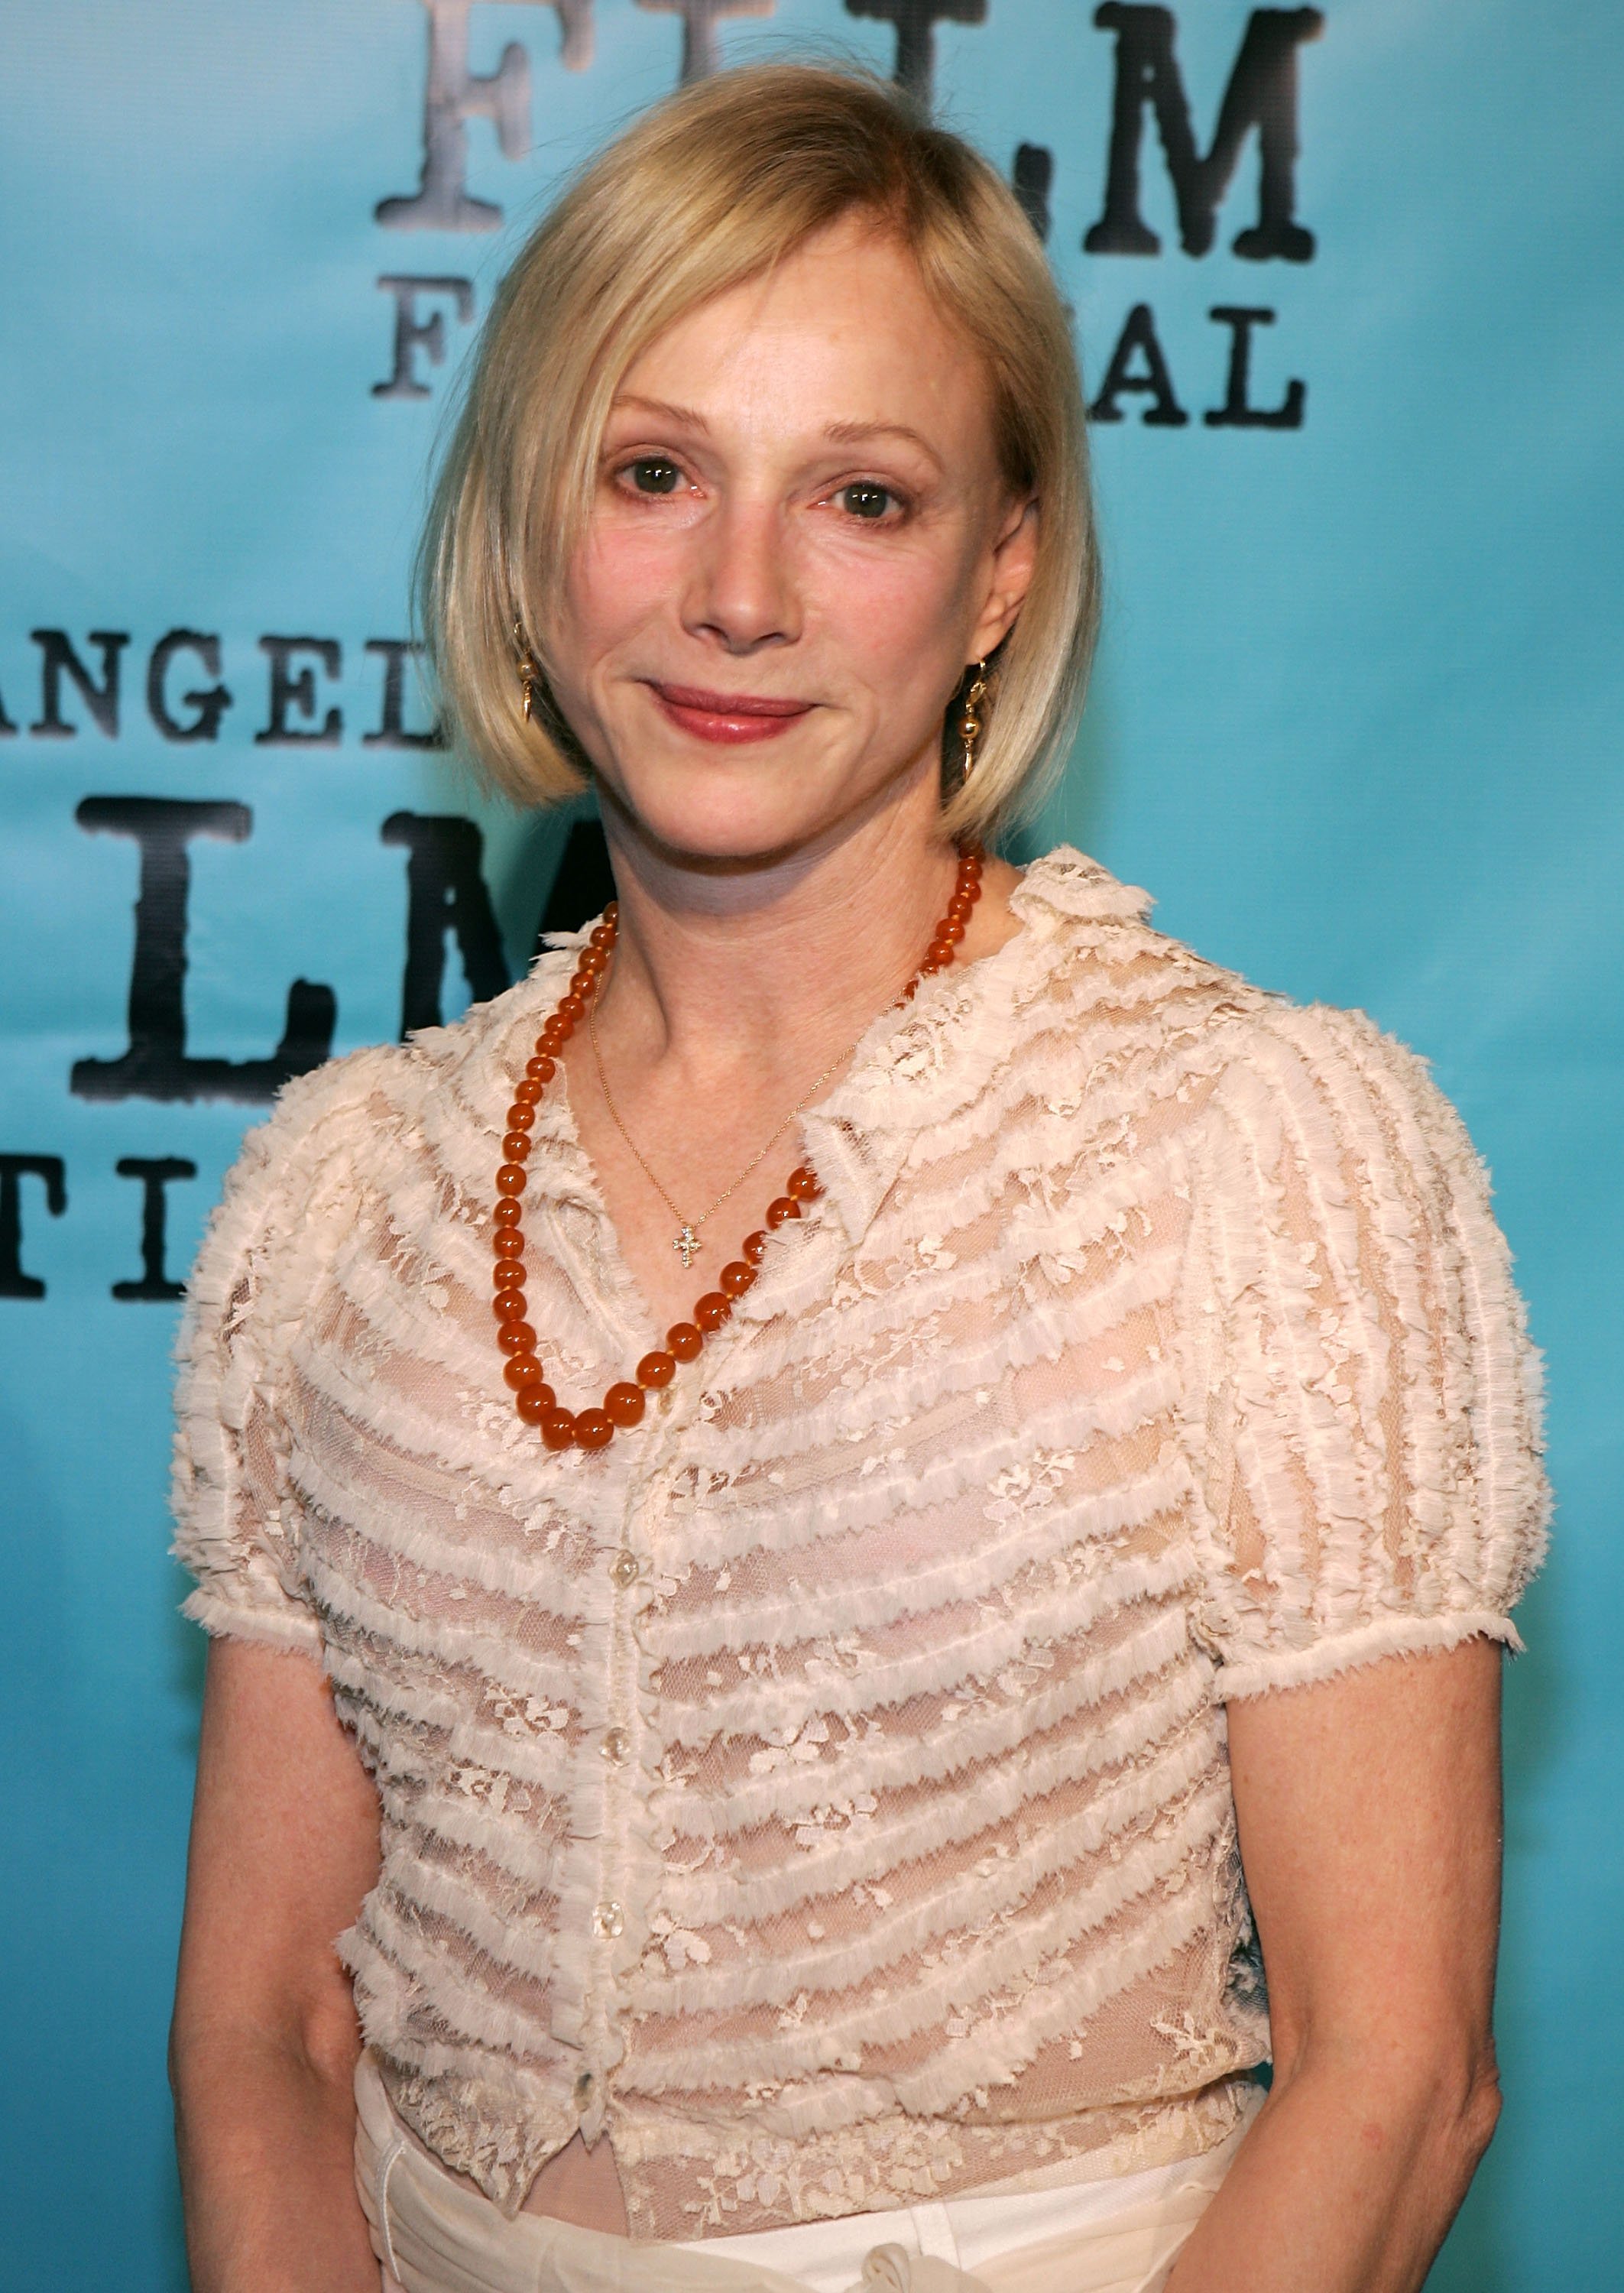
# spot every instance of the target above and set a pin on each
(1369, 1811)
(1364, 1400)
(284, 1848)
(286, 1822)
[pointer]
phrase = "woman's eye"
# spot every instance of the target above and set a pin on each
(653, 473)
(864, 499)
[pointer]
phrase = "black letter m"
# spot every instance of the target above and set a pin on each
(1262, 93)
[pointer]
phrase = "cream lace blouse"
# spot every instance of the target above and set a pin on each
(823, 1791)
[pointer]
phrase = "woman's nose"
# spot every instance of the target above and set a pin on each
(742, 591)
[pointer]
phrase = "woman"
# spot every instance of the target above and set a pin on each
(781, 1789)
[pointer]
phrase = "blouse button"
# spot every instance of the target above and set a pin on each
(616, 1745)
(608, 1920)
(624, 1569)
(583, 2089)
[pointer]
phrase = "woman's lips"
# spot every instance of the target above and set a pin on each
(728, 717)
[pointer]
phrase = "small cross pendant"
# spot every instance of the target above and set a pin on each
(688, 1242)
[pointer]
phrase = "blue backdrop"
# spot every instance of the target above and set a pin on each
(1355, 725)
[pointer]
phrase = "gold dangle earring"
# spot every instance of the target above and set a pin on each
(970, 722)
(529, 670)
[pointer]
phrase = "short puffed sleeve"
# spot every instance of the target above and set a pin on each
(237, 1519)
(1364, 1401)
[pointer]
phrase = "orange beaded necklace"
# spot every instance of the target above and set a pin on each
(625, 1402)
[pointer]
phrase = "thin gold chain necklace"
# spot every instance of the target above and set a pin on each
(625, 1402)
(686, 1240)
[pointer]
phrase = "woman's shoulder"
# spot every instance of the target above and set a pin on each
(1095, 941)
(342, 1128)
(1104, 925)
(1256, 1058)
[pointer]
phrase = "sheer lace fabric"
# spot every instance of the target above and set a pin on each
(872, 1841)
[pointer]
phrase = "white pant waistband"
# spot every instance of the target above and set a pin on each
(434, 2234)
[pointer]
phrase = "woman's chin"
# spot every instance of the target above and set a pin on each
(729, 825)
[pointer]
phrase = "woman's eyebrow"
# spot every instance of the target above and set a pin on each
(688, 417)
(862, 434)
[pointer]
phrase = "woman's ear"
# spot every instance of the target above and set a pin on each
(1014, 563)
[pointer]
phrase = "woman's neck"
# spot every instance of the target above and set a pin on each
(734, 997)
(769, 968)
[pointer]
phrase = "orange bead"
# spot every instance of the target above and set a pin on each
(558, 1428)
(934, 963)
(508, 1306)
(540, 1069)
(522, 1114)
(521, 1370)
(507, 1241)
(684, 1341)
(751, 1248)
(657, 1369)
(510, 1179)
(712, 1310)
(736, 1277)
(593, 1429)
(603, 936)
(535, 1403)
(951, 930)
(779, 1211)
(803, 1183)
(572, 1008)
(516, 1338)
(625, 1403)
(940, 952)
(516, 1145)
(505, 1214)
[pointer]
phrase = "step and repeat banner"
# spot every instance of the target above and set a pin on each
(1346, 283)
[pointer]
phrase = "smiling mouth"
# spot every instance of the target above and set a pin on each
(729, 717)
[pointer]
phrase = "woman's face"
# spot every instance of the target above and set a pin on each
(799, 539)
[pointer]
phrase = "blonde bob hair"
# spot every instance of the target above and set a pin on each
(706, 190)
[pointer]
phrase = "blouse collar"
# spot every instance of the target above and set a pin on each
(917, 1068)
